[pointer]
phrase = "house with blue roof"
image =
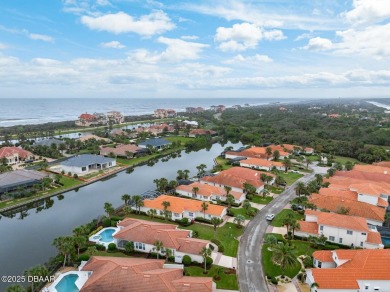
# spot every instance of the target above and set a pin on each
(156, 143)
(84, 163)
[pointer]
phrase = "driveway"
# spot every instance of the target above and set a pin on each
(250, 270)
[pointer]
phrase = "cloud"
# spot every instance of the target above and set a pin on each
(368, 11)
(189, 37)
(319, 44)
(2, 46)
(113, 45)
(249, 59)
(156, 22)
(274, 35)
(41, 37)
(303, 36)
(202, 70)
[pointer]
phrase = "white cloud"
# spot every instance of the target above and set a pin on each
(113, 45)
(239, 37)
(156, 22)
(202, 70)
(189, 37)
(41, 37)
(368, 11)
(274, 35)
(303, 36)
(319, 44)
(249, 59)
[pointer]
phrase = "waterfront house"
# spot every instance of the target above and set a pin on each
(201, 132)
(115, 117)
(48, 142)
(129, 150)
(183, 208)
(144, 235)
(97, 138)
(208, 193)
(258, 163)
(156, 129)
(15, 155)
(21, 178)
(164, 113)
(255, 152)
(341, 229)
(350, 270)
(84, 163)
(118, 274)
(155, 143)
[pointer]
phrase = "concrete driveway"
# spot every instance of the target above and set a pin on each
(250, 270)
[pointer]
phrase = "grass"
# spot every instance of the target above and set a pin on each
(183, 140)
(290, 177)
(275, 190)
(223, 162)
(134, 161)
(278, 220)
(242, 211)
(261, 200)
(343, 160)
(228, 281)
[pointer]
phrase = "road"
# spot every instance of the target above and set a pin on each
(250, 270)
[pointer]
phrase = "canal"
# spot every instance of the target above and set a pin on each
(27, 242)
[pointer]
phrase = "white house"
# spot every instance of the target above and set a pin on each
(342, 229)
(351, 271)
(144, 235)
(264, 164)
(84, 163)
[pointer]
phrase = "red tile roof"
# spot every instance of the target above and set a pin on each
(372, 168)
(372, 189)
(202, 132)
(324, 256)
(207, 190)
(87, 116)
(116, 274)
(308, 227)
(370, 264)
(383, 163)
(9, 151)
(259, 152)
(262, 162)
(371, 176)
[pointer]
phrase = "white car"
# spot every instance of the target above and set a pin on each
(270, 217)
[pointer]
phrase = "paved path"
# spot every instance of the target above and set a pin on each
(250, 270)
(224, 261)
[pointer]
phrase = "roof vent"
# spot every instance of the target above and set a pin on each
(125, 268)
(186, 285)
(146, 276)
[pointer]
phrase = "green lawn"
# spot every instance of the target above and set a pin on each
(228, 281)
(343, 160)
(183, 140)
(278, 220)
(133, 161)
(290, 177)
(275, 190)
(223, 162)
(261, 200)
(227, 234)
(242, 211)
(313, 157)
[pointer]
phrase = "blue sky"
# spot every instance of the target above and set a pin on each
(129, 48)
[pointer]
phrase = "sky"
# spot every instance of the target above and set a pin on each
(194, 49)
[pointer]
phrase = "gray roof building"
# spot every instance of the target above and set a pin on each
(86, 159)
(155, 142)
(22, 177)
(48, 142)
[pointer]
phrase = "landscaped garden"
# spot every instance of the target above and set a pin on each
(282, 215)
(223, 277)
(290, 177)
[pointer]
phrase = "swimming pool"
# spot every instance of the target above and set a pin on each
(106, 235)
(67, 284)
(385, 240)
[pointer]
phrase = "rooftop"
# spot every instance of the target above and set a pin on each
(155, 142)
(207, 190)
(21, 176)
(86, 159)
(9, 151)
(262, 162)
(48, 142)
(324, 256)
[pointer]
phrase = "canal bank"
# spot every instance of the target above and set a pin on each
(27, 242)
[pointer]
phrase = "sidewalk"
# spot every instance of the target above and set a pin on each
(223, 261)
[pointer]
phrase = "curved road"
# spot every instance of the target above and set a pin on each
(250, 270)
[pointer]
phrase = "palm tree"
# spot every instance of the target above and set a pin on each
(216, 222)
(80, 242)
(37, 271)
(205, 253)
(126, 210)
(186, 173)
(168, 253)
(15, 288)
(166, 204)
(300, 189)
(65, 246)
(294, 226)
(239, 220)
(247, 206)
(180, 174)
(287, 164)
(137, 199)
(270, 239)
(227, 190)
(283, 255)
(319, 178)
(152, 213)
(158, 246)
(268, 152)
(201, 169)
(204, 207)
(195, 190)
(126, 198)
(109, 209)
(229, 200)
(308, 161)
(248, 188)
(92, 250)
(80, 230)
(276, 155)
(265, 192)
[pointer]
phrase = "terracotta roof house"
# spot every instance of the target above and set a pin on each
(383, 164)
(362, 175)
(10, 181)
(117, 274)
(183, 208)
(258, 163)
(84, 163)
(120, 150)
(208, 193)
(353, 270)
(257, 152)
(341, 229)
(156, 129)
(164, 113)
(332, 202)
(373, 169)
(201, 132)
(144, 234)
(90, 136)
(15, 155)
(235, 178)
(323, 259)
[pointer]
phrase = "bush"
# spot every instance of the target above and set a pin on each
(221, 248)
(63, 172)
(95, 231)
(249, 197)
(100, 247)
(69, 173)
(83, 257)
(195, 234)
(201, 219)
(171, 259)
(183, 222)
(75, 176)
(112, 246)
(212, 247)
(274, 281)
(209, 261)
(308, 262)
(186, 260)
(106, 222)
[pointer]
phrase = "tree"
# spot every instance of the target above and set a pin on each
(348, 165)
(201, 169)
(205, 253)
(172, 184)
(229, 200)
(109, 209)
(65, 245)
(343, 210)
(265, 192)
(186, 173)
(37, 271)
(195, 190)
(294, 226)
(137, 201)
(126, 210)
(279, 180)
(308, 161)
(239, 220)
(80, 230)
(283, 256)
(216, 222)
(268, 152)
(331, 171)
(158, 246)
(80, 242)
(91, 250)
(46, 182)
(247, 206)
(318, 178)
(126, 198)
(16, 288)
(263, 177)
(166, 204)
(129, 247)
(276, 155)
(270, 239)
(300, 189)
(204, 207)
(287, 164)
(180, 174)
(248, 188)
(152, 213)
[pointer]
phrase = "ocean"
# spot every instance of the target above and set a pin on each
(38, 111)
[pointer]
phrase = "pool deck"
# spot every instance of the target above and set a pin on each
(83, 277)
(96, 239)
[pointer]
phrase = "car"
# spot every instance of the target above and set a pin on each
(296, 207)
(294, 171)
(270, 217)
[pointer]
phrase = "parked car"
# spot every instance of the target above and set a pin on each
(270, 217)
(296, 207)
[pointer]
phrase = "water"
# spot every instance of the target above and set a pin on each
(107, 235)
(28, 242)
(41, 110)
(67, 284)
(385, 240)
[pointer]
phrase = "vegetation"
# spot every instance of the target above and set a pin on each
(227, 278)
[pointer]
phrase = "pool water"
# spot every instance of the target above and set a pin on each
(107, 235)
(385, 240)
(67, 284)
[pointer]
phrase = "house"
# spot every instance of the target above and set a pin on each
(118, 274)
(164, 113)
(201, 132)
(118, 132)
(258, 163)
(14, 155)
(183, 208)
(115, 117)
(236, 177)
(12, 180)
(351, 270)
(86, 120)
(383, 164)
(97, 138)
(192, 124)
(362, 175)
(156, 129)
(84, 163)
(120, 150)
(218, 108)
(48, 142)
(155, 143)
(257, 152)
(373, 169)
(208, 193)
(144, 234)
(341, 229)
(333, 200)
(334, 116)
(194, 109)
